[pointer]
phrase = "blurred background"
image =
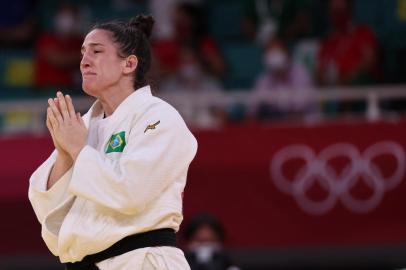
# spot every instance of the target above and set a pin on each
(299, 108)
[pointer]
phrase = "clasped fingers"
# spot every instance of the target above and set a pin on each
(70, 107)
(66, 106)
(62, 109)
(52, 119)
(54, 113)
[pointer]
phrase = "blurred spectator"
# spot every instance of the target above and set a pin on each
(17, 27)
(57, 53)
(282, 75)
(205, 236)
(162, 11)
(193, 82)
(348, 55)
(301, 19)
(189, 28)
(291, 20)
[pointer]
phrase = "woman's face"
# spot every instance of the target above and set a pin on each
(101, 67)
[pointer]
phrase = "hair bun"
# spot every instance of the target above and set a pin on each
(143, 23)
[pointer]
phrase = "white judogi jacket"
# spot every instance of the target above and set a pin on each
(107, 196)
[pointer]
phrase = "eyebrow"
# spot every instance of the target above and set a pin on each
(93, 44)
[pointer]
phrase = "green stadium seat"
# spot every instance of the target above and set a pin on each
(244, 62)
(225, 20)
(94, 11)
(387, 18)
(369, 12)
(46, 12)
(101, 12)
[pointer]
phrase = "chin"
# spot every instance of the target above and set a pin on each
(89, 89)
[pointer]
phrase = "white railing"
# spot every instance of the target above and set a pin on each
(372, 95)
(30, 114)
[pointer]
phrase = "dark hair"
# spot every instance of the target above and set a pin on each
(133, 38)
(199, 220)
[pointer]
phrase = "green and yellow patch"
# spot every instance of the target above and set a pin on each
(116, 142)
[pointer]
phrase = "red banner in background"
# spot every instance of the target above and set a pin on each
(324, 185)
(271, 186)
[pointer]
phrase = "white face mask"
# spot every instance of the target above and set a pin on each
(276, 60)
(64, 23)
(205, 251)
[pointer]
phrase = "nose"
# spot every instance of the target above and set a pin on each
(85, 62)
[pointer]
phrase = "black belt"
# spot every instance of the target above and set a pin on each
(161, 237)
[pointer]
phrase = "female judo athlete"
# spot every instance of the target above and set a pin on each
(110, 195)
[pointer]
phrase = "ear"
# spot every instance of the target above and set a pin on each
(131, 63)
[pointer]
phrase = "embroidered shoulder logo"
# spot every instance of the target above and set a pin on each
(116, 142)
(152, 126)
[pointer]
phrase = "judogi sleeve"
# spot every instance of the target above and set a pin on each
(151, 160)
(42, 200)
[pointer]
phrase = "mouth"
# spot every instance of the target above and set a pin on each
(88, 74)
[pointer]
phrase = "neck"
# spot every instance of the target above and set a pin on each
(111, 98)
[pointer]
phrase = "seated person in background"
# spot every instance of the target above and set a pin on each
(189, 28)
(283, 76)
(292, 20)
(193, 82)
(348, 55)
(56, 53)
(205, 236)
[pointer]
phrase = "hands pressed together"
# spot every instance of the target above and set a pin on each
(67, 128)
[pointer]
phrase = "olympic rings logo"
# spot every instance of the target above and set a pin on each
(318, 169)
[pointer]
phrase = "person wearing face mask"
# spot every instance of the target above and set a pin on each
(204, 237)
(189, 25)
(282, 75)
(191, 75)
(56, 53)
(192, 80)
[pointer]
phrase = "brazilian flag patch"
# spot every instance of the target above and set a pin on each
(116, 142)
